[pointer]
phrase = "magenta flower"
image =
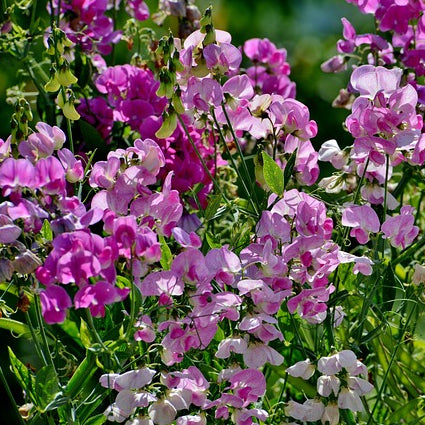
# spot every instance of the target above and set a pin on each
(16, 174)
(96, 296)
(54, 304)
(248, 385)
(222, 58)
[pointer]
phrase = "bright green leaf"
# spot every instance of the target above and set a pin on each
(273, 174)
(46, 386)
(166, 255)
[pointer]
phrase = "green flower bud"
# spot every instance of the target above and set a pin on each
(52, 85)
(168, 126)
(65, 77)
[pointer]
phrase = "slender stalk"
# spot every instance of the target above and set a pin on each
(9, 393)
(69, 132)
(98, 338)
(133, 306)
(40, 323)
(384, 214)
(387, 372)
(204, 165)
(238, 146)
(35, 339)
(234, 163)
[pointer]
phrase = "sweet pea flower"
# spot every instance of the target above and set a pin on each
(162, 412)
(369, 80)
(202, 94)
(419, 274)
(54, 304)
(363, 219)
(349, 399)
(400, 230)
(96, 296)
(303, 369)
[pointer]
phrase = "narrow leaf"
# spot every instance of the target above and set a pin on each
(289, 168)
(212, 207)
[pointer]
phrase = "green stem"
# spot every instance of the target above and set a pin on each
(409, 252)
(99, 340)
(9, 393)
(70, 138)
(35, 340)
(130, 328)
(40, 323)
(238, 146)
(234, 162)
(384, 214)
(387, 372)
(198, 154)
(84, 372)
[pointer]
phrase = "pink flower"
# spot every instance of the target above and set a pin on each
(303, 369)
(8, 231)
(129, 380)
(400, 229)
(222, 58)
(363, 219)
(248, 385)
(17, 174)
(145, 330)
(202, 94)
(369, 80)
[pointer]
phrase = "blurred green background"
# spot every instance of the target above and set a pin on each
(308, 29)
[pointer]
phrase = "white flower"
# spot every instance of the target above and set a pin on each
(331, 414)
(162, 412)
(303, 369)
(349, 399)
(326, 384)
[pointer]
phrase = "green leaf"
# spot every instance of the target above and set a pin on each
(166, 255)
(82, 375)
(273, 174)
(212, 241)
(18, 328)
(25, 378)
(46, 386)
(46, 231)
(212, 207)
(85, 334)
(96, 420)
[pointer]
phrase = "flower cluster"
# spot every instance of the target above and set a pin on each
(339, 387)
(86, 23)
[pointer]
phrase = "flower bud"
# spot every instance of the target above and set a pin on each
(26, 262)
(65, 77)
(168, 126)
(6, 269)
(52, 85)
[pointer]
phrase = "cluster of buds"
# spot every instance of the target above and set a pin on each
(61, 76)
